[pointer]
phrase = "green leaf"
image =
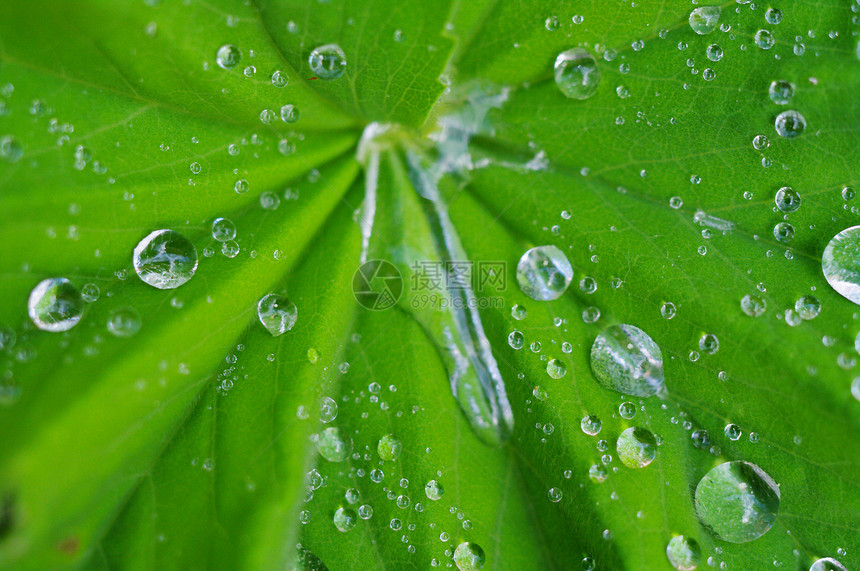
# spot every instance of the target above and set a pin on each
(193, 443)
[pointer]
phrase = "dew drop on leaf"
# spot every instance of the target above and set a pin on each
(841, 263)
(781, 91)
(469, 556)
(327, 62)
(625, 359)
(591, 425)
(223, 229)
(787, 199)
(228, 56)
(636, 447)
(331, 445)
(344, 519)
(434, 490)
(544, 273)
(124, 322)
(165, 259)
(577, 74)
(738, 501)
(684, 553)
(55, 305)
(704, 20)
(389, 447)
(789, 124)
(277, 313)
(827, 564)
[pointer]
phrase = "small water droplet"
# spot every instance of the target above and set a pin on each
(684, 553)
(636, 447)
(790, 124)
(228, 56)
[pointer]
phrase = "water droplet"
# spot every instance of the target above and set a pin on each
(241, 186)
(684, 553)
(709, 343)
(733, 432)
(783, 232)
(434, 490)
(469, 556)
(223, 229)
(196, 168)
(551, 23)
(625, 359)
(228, 56)
(577, 74)
(344, 519)
(165, 259)
(124, 322)
(267, 116)
(764, 39)
(668, 310)
(328, 61)
(328, 411)
(332, 446)
(790, 124)
(365, 511)
(627, 410)
(10, 149)
(289, 114)
(714, 52)
(277, 313)
(636, 447)
(773, 16)
(787, 199)
(591, 425)
(516, 339)
(807, 307)
(827, 564)
(55, 305)
(389, 447)
(703, 20)
(760, 142)
(280, 79)
(781, 91)
(841, 263)
(753, 305)
(738, 501)
(556, 369)
(544, 273)
(555, 495)
(519, 312)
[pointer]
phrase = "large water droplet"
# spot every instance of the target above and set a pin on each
(841, 263)
(738, 501)
(469, 556)
(827, 564)
(683, 553)
(576, 73)
(625, 359)
(753, 305)
(55, 305)
(636, 447)
(703, 20)
(228, 56)
(277, 313)
(789, 124)
(165, 259)
(544, 273)
(328, 61)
